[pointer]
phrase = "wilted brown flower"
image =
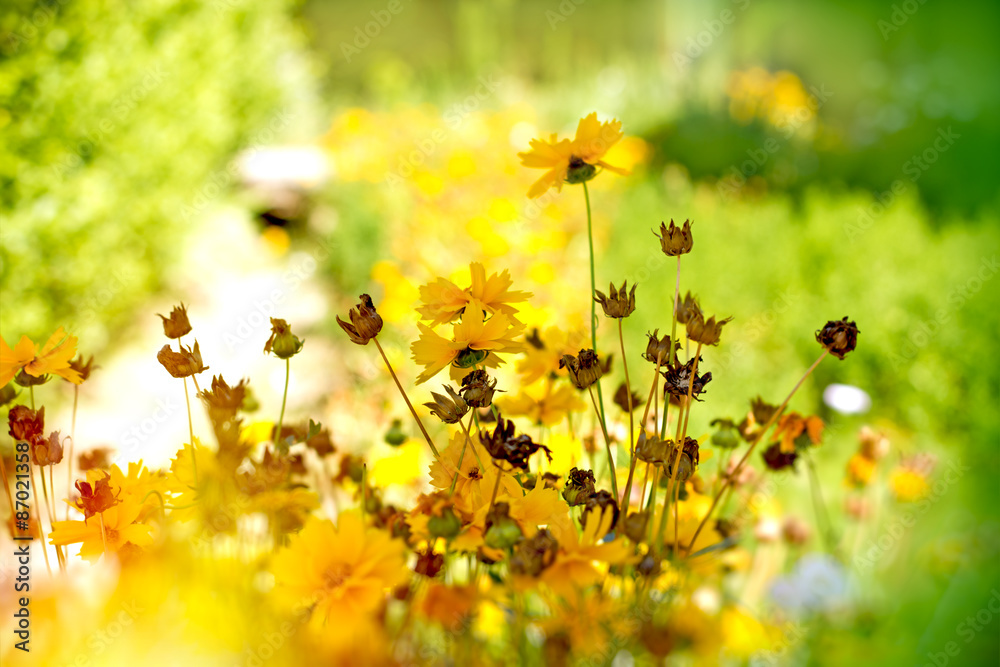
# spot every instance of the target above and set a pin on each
(23, 379)
(97, 458)
(533, 555)
(449, 409)
(796, 531)
(793, 426)
(679, 381)
(84, 369)
(651, 449)
(687, 461)
(777, 459)
(478, 388)
(428, 563)
(620, 303)
(502, 532)
(222, 397)
(365, 322)
(839, 337)
(7, 394)
(621, 399)
(579, 487)
(503, 445)
(47, 451)
(95, 499)
(635, 526)
(584, 369)
(177, 324)
(181, 364)
(688, 308)
(658, 349)
(282, 343)
(26, 425)
(706, 332)
(874, 446)
(676, 240)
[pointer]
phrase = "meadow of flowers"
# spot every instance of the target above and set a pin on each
(546, 500)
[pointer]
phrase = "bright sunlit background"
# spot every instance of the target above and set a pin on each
(255, 158)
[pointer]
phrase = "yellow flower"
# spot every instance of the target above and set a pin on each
(54, 357)
(345, 569)
(444, 300)
(543, 403)
(119, 525)
(860, 470)
(908, 485)
(477, 477)
(543, 353)
(574, 567)
(473, 339)
(572, 161)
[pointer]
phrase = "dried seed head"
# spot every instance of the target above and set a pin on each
(579, 487)
(449, 409)
(26, 425)
(679, 380)
(620, 303)
(533, 555)
(839, 337)
(478, 388)
(675, 241)
(706, 332)
(584, 369)
(503, 445)
(181, 364)
(688, 308)
(365, 324)
(621, 399)
(651, 449)
(658, 350)
(22, 379)
(177, 324)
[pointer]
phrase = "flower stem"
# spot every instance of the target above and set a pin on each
(631, 421)
(819, 505)
(282, 446)
(194, 462)
(760, 436)
(72, 441)
(38, 514)
(607, 443)
(405, 398)
(593, 289)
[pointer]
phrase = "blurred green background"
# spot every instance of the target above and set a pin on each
(879, 200)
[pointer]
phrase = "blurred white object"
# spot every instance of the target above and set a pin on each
(287, 166)
(847, 399)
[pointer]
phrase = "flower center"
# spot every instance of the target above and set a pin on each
(336, 575)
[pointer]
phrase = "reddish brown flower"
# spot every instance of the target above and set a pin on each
(97, 498)
(181, 364)
(47, 451)
(365, 324)
(26, 425)
(839, 337)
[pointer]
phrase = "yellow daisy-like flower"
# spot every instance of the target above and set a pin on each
(543, 403)
(575, 566)
(859, 471)
(119, 529)
(344, 569)
(572, 161)
(476, 479)
(53, 357)
(444, 300)
(473, 339)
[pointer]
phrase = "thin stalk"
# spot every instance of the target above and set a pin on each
(405, 398)
(760, 436)
(631, 420)
(6, 483)
(593, 290)
(38, 514)
(607, 443)
(458, 468)
(677, 304)
(496, 487)
(279, 441)
(104, 537)
(49, 509)
(819, 506)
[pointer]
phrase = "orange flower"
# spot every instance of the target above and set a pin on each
(573, 161)
(54, 357)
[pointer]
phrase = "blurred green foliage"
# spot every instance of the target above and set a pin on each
(119, 123)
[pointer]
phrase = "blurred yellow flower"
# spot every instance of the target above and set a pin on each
(53, 357)
(908, 485)
(444, 300)
(574, 567)
(572, 161)
(345, 569)
(543, 402)
(119, 530)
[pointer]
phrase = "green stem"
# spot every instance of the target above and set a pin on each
(279, 441)
(406, 398)
(72, 441)
(607, 443)
(631, 421)
(593, 290)
(819, 505)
